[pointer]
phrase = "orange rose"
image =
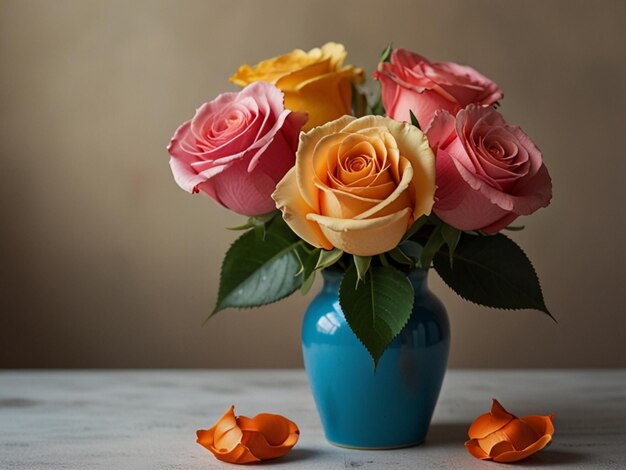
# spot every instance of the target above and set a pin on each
(358, 184)
(246, 440)
(315, 82)
(502, 437)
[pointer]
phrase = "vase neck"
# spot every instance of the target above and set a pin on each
(419, 280)
(417, 277)
(332, 280)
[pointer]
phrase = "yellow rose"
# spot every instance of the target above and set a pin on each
(313, 82)
(358, 184)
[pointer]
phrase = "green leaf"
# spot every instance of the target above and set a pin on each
(307, 284)
(414, 120)
(245, 226)
(257, 272)
(451, 236)
(259, 232)
(383, 260)
(308, 260)
(362, 264)
(418, 224)
(378, 308)
(328, 258)
(492, 271)
(377, 109)
(434, 243)
(400, 256)
(412, 249)
(386, 54)
(255, 221)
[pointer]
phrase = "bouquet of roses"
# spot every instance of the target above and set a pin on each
(426, 174)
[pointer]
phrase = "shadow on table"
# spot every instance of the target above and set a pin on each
(446, 433)
(548, 457)
(297, 455)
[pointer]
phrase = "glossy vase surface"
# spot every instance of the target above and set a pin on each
(392, 406)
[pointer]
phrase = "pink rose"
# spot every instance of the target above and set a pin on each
(488, 173)
(411, 83)
(237, 148)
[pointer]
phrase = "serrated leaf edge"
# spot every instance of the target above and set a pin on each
(545, 308)
(218, 308)
(402, 328)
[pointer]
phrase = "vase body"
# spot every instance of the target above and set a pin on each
(392, 406)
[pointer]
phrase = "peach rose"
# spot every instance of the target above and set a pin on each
(488, 172)
(411, 82)
(502, 437)
(358, 184)
(236, 148)
(314, 82)
(245, 440)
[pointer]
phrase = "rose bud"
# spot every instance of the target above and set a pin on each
(237, 147)
(410, 82)
(245, 440)
(502, 437)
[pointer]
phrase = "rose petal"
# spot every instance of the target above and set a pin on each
(410, 82)
(500, 223)
(184, 176)
(324, 157)
(398, 199)
(501, 436)
(474, 449)
(236, 148)
(371, 192)
(501, 447)
(224, 440)
(364, 237)
(413, 146)
(452, 189)
(540, 424)
(490, 422)
(295, 211)
(240, 191)
(268, 436)
(292, 80)
(243, 440)
(342, 204)
(306, 171)
(520, 434)
(442, 130)
(271, 70)
(515, 456)
(313, 81)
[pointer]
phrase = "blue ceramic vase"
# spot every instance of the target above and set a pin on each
(392, 406)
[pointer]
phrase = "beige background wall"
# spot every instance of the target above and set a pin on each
(104, 262)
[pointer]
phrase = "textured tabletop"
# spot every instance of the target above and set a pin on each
(147, 419)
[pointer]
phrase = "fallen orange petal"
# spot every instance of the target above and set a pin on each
(268, 436)
(517, 455)
(474, 449)
(490, 422)
(502, 437)
(244, 440)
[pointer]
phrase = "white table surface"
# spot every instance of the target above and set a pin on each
(147, 419)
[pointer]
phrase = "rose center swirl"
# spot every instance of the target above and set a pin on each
(358, 163)
(230, 121)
